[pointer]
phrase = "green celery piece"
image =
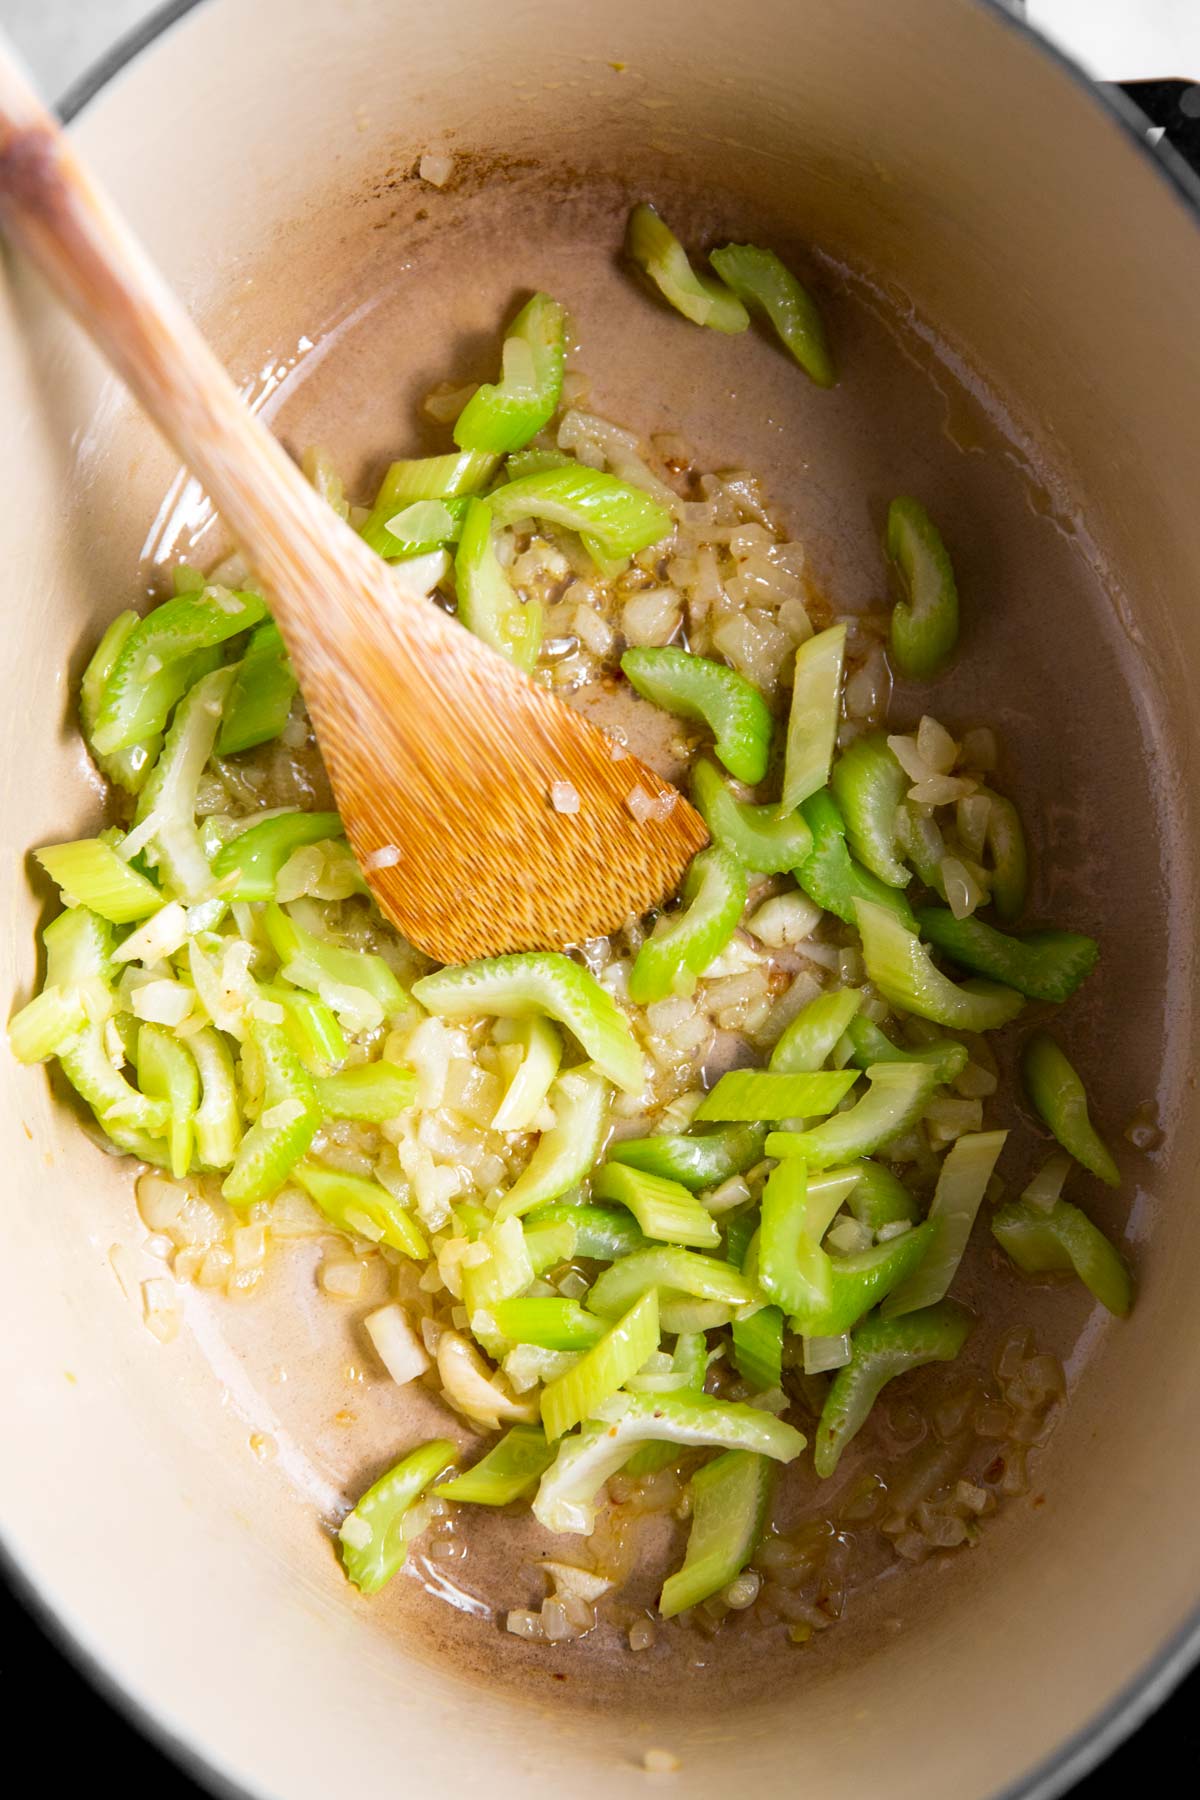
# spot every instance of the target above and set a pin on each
(509, 1471)
(868, 785)
(792, 1269)
(622, 519)
(603, 1370)
(541, 1053)
(740, 1230)
(450, 479)
(924, 627)
(316, 1036)
(566, 1154)
(664, 1209)
(690, 1359)
(166, 1070)
(284, 1128)
(829, 874)
(961, 1185)
(679, 1271)
(532, 462)
(506, 1272)
(696, 1161)
(861, 1281)
(920, 843)
(129, 767)
(1004, 841)
(356, 981)
(1064, 1238)
(685, 942)
(372, 1537)
(551, 1324)
(756, 1094)
(901, 968)
(255, 856)
(869, 1045)
(260, 699)
(755, 835)
(50, 1020)
(116, 1103)
(813, 717)
(502, 417)
(91, 874)
(758, 1348)
(809, 1041)
(880, 1350)
(488, 604)
(549, 1242)
(1042, 965)
(514, 987)
(1061, 1100)
(155, 666)
(653, 246)
(760, 279)
(168, 799)
(218, 1119)
(880, 1198)
(730, 1500)
(695, 687)
(566, 1498)
(896, 1097)
(602, 1233)
(79, 947)
(372, 1092)
(361, 1208)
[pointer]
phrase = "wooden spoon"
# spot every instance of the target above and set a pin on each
(441, 754)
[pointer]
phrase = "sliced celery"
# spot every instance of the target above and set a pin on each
(1005, 844)
(793, 1271)
(167, 1071)
(118, 1105)
(962, 1183)
(372, 1536)
(664, 1209)
(540, 1049)
(285, 1126)
(1061, 1099)
(868, 785)
(50, 1020)
(506, 1272)
(730, 1500)
(925, 619)
(1042, 965)
(488, 604)
(880, 1198)
(679, 1271)
(567, 1152)
(168, 800)
(829, 874)
(860, 1281)
(450, 479)
(255, 857)
(358, 985)
(653, 246)
(372, 1092)
(761, 1094)
(360, 1208)
(156, 664)
(684, 943)
(695, 687)
(1064, 1239)
(697, 1161)
(504, 416)
(603, 1370)
(759, 278)
(91, 874)
(869, 1045)
(260, 699)
(622, 519)
(549, 1241)
(758, 1348)
(809, 1041)
(896, 1097)
(550, 1323)
(79, 946)
(218, 1120)
(600, 1233)
(316, 1036)
(813, 719)
(509, 1471)
(541, 982)
(881, 1350)
(755, 835)
(901, 968)
(129, 767)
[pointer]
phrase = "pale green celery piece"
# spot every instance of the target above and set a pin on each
(869, 1045)
(622, 519)
(696, 687)
(600, 1233)
(550, 1241)
(255, 856)
(749, 1094)
(356, 984)
(371, 1092)
(157, 663)
(814, 716)
(502, 417)
(755, 835)
(880, 1198)
(869, 785)
(169, 796)
(541, 1053)
(79, 947)
(218, 1120)
(1005, 845)
(730, 1500)
(653, 246)
(684, 943)
(1064, 1239)
(91, 874)
(567, 1152)
(450, 479)
(859, 1282)
(809, 1041)
(166, 1070)
(361, 1208)
(920, 843)
(881, 1350)
(506, 1272)
(695, 1160)
(1042, 965)
(129, 767)
(901, 968)
(664, 1209)
(550, 1323)
(285, 1126)
(544, 982)
(50, 1020)
(117, 1104)
(961, 1185)
(896, 1096)
(260, 699)
(603, 1370)
(689, 1359)
(791, 1268)
(758, 1348)
(680, 1272)
(316, 1036)
(759, 278)
(1059, 1095)
(372, 1536)
(509, 1471)
(829, 874)
(488, 604)
(566, 1498)
(925, 619)
(532, 462)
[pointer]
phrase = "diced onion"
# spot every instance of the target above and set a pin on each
(397, 1345)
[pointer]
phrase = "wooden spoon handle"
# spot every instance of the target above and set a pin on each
(69, 228)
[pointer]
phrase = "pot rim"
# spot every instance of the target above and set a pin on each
(1147, 1691)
